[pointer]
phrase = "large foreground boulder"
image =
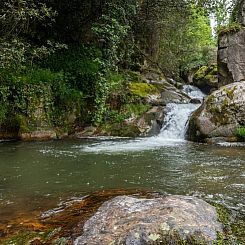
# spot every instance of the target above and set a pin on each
(169, 220)
(222, 113)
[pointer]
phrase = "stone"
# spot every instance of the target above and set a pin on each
(221, 114)
(134, 221)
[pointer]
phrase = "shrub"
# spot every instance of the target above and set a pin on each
(241, 132)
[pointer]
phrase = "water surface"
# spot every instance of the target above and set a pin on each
(35, 176)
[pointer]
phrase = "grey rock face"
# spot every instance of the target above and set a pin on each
(231, 58)
(231, 52)
(221, 114)
(133, 221)
(241, 13)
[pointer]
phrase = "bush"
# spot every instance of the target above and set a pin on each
(241, 132)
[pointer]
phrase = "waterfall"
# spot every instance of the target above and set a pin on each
(176, 119)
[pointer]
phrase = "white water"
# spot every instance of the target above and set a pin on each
(193, 92)
(175, 123)
(172, 133)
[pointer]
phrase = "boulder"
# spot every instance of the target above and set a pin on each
(164, 220)
(147, 124)
(220, 115)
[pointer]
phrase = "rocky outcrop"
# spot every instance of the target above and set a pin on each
(231, 57)
(165, 220)
(221, 114)
(231, 50)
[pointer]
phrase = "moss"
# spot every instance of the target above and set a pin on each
(173, 237)
(229, 29)
(223, 213)
(230, 93)
(201, 73)
(143, 89)
(23, 124)
(234, 228)
(238, 230)
(207, 74)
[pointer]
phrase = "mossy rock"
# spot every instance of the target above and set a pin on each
(206, 78)
(143, 89)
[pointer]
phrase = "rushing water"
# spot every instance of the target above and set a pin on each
(193, 92)
(36, 176)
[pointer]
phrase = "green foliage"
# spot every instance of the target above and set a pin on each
(198, 46)
(241, 132)
(19, 16)
(137, 109)
(82, 76)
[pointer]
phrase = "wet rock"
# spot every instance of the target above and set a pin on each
(221, 114)
(134, 221)
(241, 12)
(195, 101)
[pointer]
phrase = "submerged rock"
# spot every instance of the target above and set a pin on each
(170, 220)
(221, 114)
